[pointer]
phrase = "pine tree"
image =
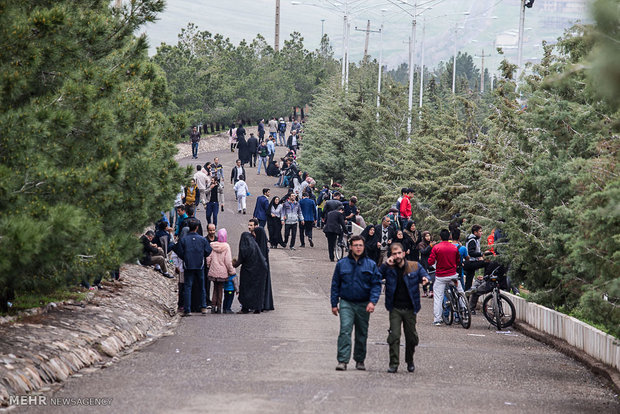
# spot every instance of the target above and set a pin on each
(85, 164)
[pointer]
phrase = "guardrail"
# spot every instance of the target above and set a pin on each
(592, 341)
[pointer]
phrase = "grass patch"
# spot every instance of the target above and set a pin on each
(29, 300)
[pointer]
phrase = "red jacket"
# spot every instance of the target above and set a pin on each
(405, 207)
(447, 256)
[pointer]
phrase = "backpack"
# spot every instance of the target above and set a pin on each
(282, 127)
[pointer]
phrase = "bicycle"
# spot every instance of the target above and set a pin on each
(455, 306)
(341, 247)
(496, 307)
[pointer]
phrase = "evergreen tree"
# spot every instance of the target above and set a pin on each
(84, 162)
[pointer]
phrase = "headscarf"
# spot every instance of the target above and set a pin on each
(222, 235)
(365, 232)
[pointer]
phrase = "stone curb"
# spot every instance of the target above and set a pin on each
(609, 374)
(46, 348)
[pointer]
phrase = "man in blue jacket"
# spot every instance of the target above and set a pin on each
(308, 210)
(192, 249)
(261, 211)
(356, 284)
(402, 300)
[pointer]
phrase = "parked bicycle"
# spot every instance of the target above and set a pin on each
(455, 307)
(496, 307)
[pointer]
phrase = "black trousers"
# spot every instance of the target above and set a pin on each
(290, 229)
(305, 229)
(332, 238)
(469, 269)
(253, 157)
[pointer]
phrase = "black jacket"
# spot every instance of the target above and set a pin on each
(233, 174)
(379, 233)
(335, 223)
(148, 251)
(253, 145)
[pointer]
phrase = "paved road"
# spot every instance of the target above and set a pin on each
(283, 361)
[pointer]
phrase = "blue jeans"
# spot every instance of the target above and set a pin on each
(353, 314)
(194, 149)
(194, 276)
(212, 210)
(229, 296)
(281, 138)
(262, 160)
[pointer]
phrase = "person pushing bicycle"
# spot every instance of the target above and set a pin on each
(482, 285)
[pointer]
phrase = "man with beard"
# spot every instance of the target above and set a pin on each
(402, 300)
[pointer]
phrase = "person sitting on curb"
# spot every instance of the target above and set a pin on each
(153, 255)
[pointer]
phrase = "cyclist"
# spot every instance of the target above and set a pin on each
(482, 286)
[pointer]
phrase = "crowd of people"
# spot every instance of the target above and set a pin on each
(394, 252)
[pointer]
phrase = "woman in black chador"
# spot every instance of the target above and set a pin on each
(261, 239)
(253, 275)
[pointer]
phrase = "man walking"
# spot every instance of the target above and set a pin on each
(445, 256)
(202, 182)
(273, 127)
(253, 149)
(194, 137)
(405, 208)
(237, 171)
(271, 148)
(192, 249)
(308, 210)
(334, 228)
(261, 210)
(263, 156)
(281, 132)
(356, 286)
(402, 300)
(261, 130)
(292, 217)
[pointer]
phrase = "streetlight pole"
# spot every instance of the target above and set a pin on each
(344, 41)
(322, 28)
(422, 63)
(411, 69)
(454, 62)
(346, 68)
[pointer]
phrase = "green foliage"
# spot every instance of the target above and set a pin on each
(540, 162)
(212, 80)
(84, 159)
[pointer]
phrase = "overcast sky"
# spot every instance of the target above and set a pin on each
(483, 24)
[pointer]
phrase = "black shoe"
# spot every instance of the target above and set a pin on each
(311, 243)
(302, 245)
(168, 275)
(185, 314)
(283, 245)
(392, 370)
(243, 311)
(410, 367)
(256, 311)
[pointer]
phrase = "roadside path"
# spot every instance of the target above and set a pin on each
(283, 361)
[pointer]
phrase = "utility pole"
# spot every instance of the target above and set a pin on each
(322, 28)
(368, 31)
(344, 41)
(277, 40)
(346, 69)
(482, 71)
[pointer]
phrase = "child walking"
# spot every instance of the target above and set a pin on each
(231, 286)
(241, 190)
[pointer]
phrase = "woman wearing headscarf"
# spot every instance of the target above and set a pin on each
(425, 247)
(370, 243)
(274, 222)
(261, 239)
(242, 146)
(416, 237)
(220, 267)
(253, 275)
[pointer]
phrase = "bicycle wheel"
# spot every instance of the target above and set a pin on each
(488, 309)
(446, 309)
(506, 310)
(338, 251)
(464, 312)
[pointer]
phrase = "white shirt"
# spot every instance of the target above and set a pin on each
(202, 180)
(241, 189)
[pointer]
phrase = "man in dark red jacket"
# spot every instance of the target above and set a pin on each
(446, 256)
